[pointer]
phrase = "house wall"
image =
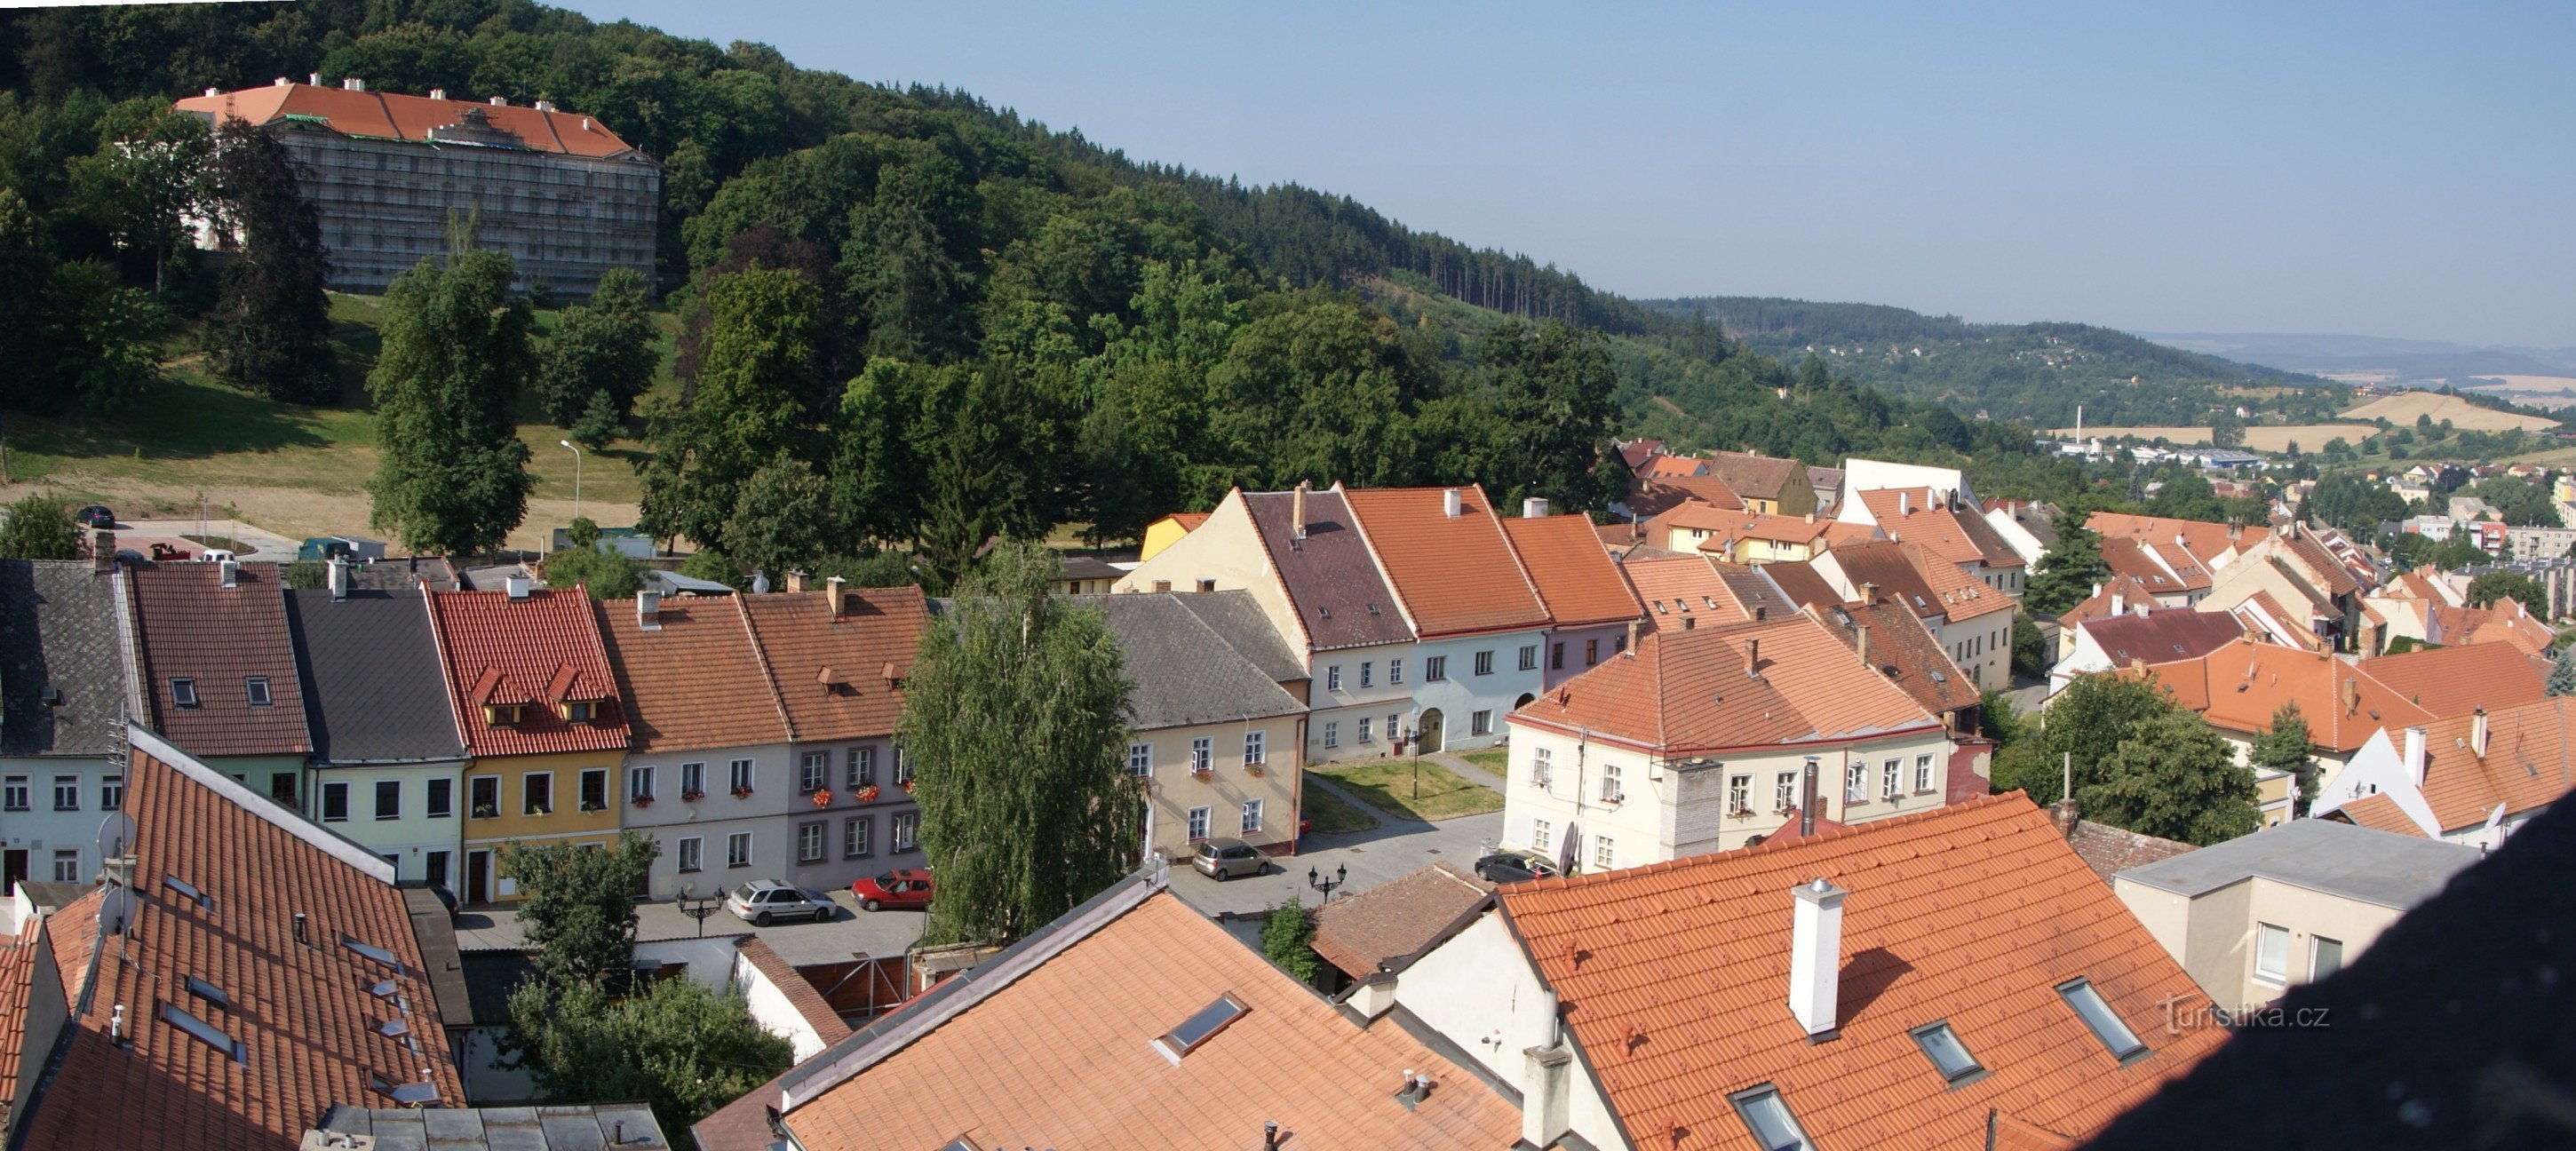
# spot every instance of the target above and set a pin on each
(1230, 784)
(1342, 709)
(1607, 641)
(413, 835)
(41, 830)
(669, 818)
(1982, 647)
(839, 867)
(40, 1020)
(2213, 936)
(566, 821)
(1463, 693)
(265, 774)
(773, 1010)
(1671, 812)
(1479, 986)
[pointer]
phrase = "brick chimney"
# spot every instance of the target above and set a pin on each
(1297, 511)
(1753, 657)
(1863, 629)
(102, 550)
(836, 593)
(795, 579)
(2065, 814)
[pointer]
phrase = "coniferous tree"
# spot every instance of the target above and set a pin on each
(452, 475)
(2067, 570)
(2562, 675)
(271, 329)
(1016, 714)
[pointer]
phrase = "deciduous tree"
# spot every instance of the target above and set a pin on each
(39, 528)
(2487, 589)
(682, 1048)
(577, 904)
(2067, 570)
(452, 474)
(1287, 939)
(270, 332)
(603, 347)
(2172, 776)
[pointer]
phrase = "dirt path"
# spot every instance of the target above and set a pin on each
(291, 512)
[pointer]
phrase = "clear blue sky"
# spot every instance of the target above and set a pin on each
(2373, 169)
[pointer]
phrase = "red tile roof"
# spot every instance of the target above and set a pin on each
(2239, 686)
(1689, 691)
(2128, 559)
(1457, 575)
(2449, 681)
(19, 973)
(1666, 467)
(1395, 921)
(1905, 651)
(807, 648)
(2526, 766)
(2379, 812)
(1064, 1056)
(2504, 621)
(1575, 577)
(1651, 496)
(1679, 588)
(528, 651)
(1918, 580)
(2130, 593)
(301, 1013)
(188, 626)
(395, 116)
(2163, 635)
(1932, 524)
(1754, 474)
(2205, 541)
(1672, 978)
(696, 680)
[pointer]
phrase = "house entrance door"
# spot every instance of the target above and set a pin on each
(478, 877)
(13, 870)
(1427, 732)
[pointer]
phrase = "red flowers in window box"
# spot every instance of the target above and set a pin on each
(866, 794)
(692, 796)
(823, 797)
(907, 787)
(643, 801)
(742, 793)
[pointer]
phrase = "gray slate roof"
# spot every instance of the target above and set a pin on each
(2378, 867)
(58, 628)
(1180, 671)
(589, 1127)
(1237, 616)
(373, 688)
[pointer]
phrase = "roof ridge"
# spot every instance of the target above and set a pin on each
(768, 674)
(1956, 808)
(1270, 561)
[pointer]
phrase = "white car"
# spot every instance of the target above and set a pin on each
(214, 556)
(766, 901)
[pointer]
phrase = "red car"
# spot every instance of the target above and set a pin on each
(907, 887)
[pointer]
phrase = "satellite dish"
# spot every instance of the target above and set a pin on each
(115, 835)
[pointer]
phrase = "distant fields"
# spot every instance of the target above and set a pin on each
(2261, 438)
(2403, 408)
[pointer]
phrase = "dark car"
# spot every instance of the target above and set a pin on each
(95, 516)
(904, 887)
(1513, 867)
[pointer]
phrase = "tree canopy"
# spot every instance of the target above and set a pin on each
(39, 527)
(2503, 585)
(2172, 776)
(452, 474)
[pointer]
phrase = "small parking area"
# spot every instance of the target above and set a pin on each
(1394, 849)
(877, 934)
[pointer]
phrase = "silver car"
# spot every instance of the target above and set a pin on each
(766, 901)
(1224, 859)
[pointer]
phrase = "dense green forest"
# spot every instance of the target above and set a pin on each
(909, 316)
(2034, 373)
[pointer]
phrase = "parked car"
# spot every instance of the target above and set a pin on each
(766, 901)
(1223, 859)
(94, 516)
(215, 556)
(1513, 867)
(905, 887)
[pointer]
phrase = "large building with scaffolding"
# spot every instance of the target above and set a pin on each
(559, 191)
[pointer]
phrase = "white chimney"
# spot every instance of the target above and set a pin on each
(228, 573)
(1904, 503)
(2119, 603)
(499, 102)
(316, 78)
(438, 93)
(339, 578)
(1816, 955)
(1533, 507)
(353, 84)
(1451, 503)
(214, 91)
(648, 611)
(2478, 733)
(517, 585)
(836, 591)
(2415, 756)
(545, 106)
(283, 82)
(1297, 511)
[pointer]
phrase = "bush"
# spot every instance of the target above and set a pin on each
(39, 527)
(607, 575)
(1287, 939)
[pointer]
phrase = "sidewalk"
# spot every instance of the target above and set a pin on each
(1466, 771)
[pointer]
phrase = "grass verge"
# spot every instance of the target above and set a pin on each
(1413, 788)
(1493, 759)
(1330, 814)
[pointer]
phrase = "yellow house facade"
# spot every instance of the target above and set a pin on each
(567, 797)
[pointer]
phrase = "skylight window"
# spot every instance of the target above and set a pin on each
(209, 992)
(382, 990)
(393, 1028)
(1767, 1116)
(2104, 1022)
(371, 951)
(257, 688)
(206, 1033)
(406, 1093)
(1199, 1028)
(189, 890)
(183, 692)
(1949, 1056)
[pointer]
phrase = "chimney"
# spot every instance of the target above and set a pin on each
(1753, 657)
(836, 593)
(1869, 593)
(2478, 733)
(795, 580)
(648, 611)
(1761, 612)
(1544, 1102)
(1631, 649)
(545, 106)
(499, 102)
(1533, 507)
(1816, 955)
(438, 93)
(2119, 603)
(228, 573)
(283, 82)
(214, 91)
(1864, 644)
(1297, 510)
(1807, 796)
(2064, 813)
(2352, 699)
(1452, 503)
(2415, 756)
(102, 550)
(316, 78)
(517, 586)
(339, 578)
(1904, 504)
(352, 84)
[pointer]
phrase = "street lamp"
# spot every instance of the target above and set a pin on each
(1316, 880)
(576, 476)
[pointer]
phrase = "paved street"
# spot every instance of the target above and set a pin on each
(269, 545)
(879, 934)
(1395, 848)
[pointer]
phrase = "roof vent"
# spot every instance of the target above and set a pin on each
(316, 79)
(353, 84)
(518, 586)
(648, 611)
(438, 93)
(228, 573)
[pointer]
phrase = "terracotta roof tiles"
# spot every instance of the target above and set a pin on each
(396, 116)
(528, 651)
(695, 680)
(1904, 651)
(2379, 812)
(2238, 688)
(2527, 763)
(1681, 588)
(1689, 690)
(1575, 578)
(1457, 575)
(1672, 977)
(798, 636)
(2449, 681)
(188, 626)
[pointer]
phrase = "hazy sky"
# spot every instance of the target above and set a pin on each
(2353, 168)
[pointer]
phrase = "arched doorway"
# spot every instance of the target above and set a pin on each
(1426, 732)
(1523, 701)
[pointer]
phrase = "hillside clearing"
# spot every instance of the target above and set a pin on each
(2404, 407)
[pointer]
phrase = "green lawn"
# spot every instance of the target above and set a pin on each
(1330, 814)
(1493, 759)
(1413, 788)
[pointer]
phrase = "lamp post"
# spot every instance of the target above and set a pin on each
(1316, 880)
(576, 476)
(697, 909)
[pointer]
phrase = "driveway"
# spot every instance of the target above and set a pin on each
(880, 934)
(1392, 850)
(268, 545)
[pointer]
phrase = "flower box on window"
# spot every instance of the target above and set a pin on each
(907, 787)
(1255, 770)
(742, 793)
(866, 794)
(1202, 774)
(642, 801)
(692, 796)
(823, 797)
(588, 806)
(485, 811)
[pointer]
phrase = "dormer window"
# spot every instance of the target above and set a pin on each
(256, 687)
(502, 714)
(579, 710)
(183, 692)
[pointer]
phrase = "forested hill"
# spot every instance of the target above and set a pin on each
(982, 319)
(2035, 373)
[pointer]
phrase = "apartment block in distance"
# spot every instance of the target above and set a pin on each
(564, 195)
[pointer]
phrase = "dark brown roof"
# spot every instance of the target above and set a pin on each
(1329, 576)
(1387, 926)
(1801, 583)
(1763, 477)
(1887, 564)
(1905, 651)
(2162, 634)
(188, 626)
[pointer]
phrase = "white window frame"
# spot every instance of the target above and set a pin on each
(1364, 730)
(1485, 662)
(67, 792)
(1197, 824)
(1739, 795)
(861, 770)
(1605, 853)
(1923, 773)
(813, 772)
(1202, 753)
(639, 782)
(1541, 833)
(693, 778)
(1140, 760)
(1891, 779)
(1784, 791)
(858, 837)
(1480, 723)
(1542, 766)
(1256, 748)
(1333, 677)
(742, 775)
(738, 849)
(1395, 671)
(1251, 816)
(1435, 668)
(2272, 940)
(1529, 657)
(907, 831)
(111, 793)
(1332, 733)
(1855, 782)
(67, 855)
(1368, 673)
(810, 844)
(1610, 789)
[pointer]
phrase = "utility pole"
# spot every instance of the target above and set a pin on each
(576, 476)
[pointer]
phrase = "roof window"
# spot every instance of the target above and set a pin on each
(1767, 1116)
(1196, 1030)
(412, 1094)
(393, 1028)
(185, 888)
(183, 692)
(256, 687)
(206, 1033)
(2104, 1022)
(371, 951)
(383, 989)
(1949, 1056)
(209, 992)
